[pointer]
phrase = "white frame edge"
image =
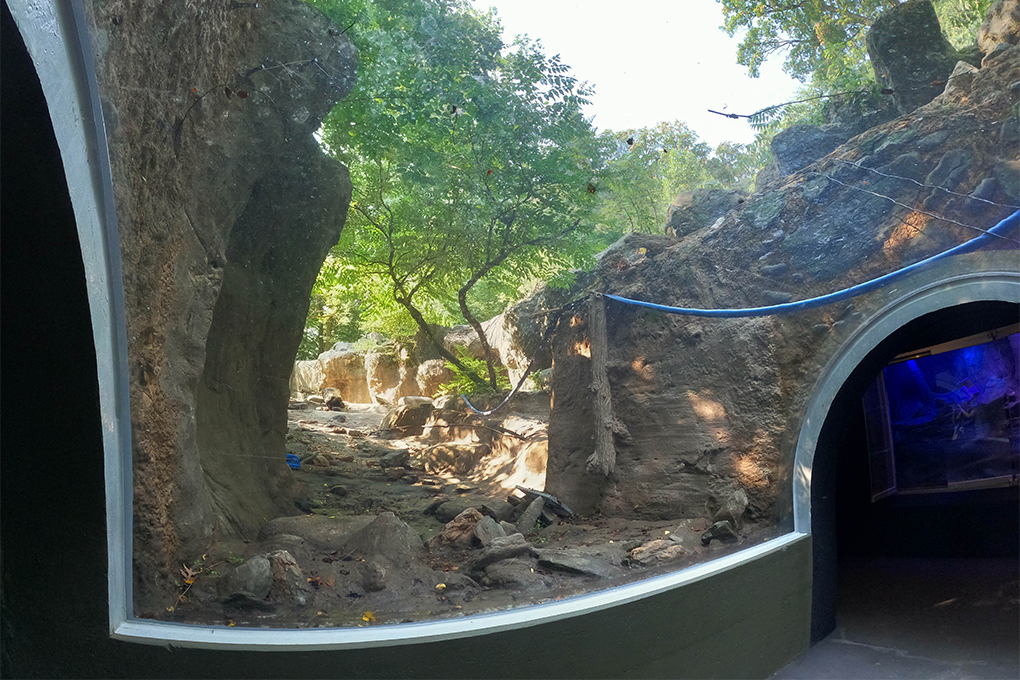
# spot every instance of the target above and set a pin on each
(51, 31)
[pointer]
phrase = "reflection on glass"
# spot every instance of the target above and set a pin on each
(953, 413)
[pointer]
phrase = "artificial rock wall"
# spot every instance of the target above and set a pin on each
(711, 407)
(226, 208)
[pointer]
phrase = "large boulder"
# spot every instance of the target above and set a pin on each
(910, 54)
(464, 339)
(307, 378)
(383, 376)
(525, 324)
(431, 375)
(798, 146)
(693, 210)
(408, 417)
(344, 369)
(1001, 25)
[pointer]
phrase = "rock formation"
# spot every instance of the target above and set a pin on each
(226, 209)
(910, 54)
(710, 408)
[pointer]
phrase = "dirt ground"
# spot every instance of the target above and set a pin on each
(339, 576)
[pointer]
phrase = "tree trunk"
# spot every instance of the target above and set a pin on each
(424, 326)
(603, 461)
(486, 350)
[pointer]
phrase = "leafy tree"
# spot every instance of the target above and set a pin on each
(822, 38)
(648, 167)
(961, 19)
(471, 160)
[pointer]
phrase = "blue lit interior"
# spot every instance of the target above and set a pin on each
(954, 416)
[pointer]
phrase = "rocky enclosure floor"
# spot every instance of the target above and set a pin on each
(381, 540)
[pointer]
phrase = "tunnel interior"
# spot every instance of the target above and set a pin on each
(849, 530)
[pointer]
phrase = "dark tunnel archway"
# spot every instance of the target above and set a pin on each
(845, 523)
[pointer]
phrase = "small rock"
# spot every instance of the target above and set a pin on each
(394, 473)
(396, 458)
(461, 529)
(373, 576)
(288, 581)
(242, 600)
(487, 529)
(728, 505)
(500, 549)
(659, 550)
(295, 545)
(530, 517)
(721, 530)
(449, 509)
(776, 297)
(508, 528)
(497, 509)
(339, 490)
(254, 577)
(982, 194)
(518, 573)
(575, 562)
(316, 399)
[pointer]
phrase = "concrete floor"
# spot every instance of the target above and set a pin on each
(920, 618)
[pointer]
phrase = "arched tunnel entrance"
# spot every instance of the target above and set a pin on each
(922, 551)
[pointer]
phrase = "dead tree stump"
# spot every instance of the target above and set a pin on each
(603, 461)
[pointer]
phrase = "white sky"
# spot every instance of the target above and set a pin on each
(650, 61)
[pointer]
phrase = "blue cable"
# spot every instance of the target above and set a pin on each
(1008, 223)
(1003, 226)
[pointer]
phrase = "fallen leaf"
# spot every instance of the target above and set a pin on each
(368, 617)
(441, 586)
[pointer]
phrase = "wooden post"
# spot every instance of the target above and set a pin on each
(603, 461)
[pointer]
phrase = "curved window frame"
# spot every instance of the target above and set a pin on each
(55, 34)
(56, 37)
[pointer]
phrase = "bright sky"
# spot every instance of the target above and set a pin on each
(650, 61)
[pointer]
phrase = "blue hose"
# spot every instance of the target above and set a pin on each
(861, 288)
(998, 230)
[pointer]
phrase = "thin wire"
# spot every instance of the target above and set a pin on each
(913, 209)
(857, 164)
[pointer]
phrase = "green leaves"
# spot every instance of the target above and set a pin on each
(470, 161)
(649, 167)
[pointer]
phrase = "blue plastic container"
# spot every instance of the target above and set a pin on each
(293, 461)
